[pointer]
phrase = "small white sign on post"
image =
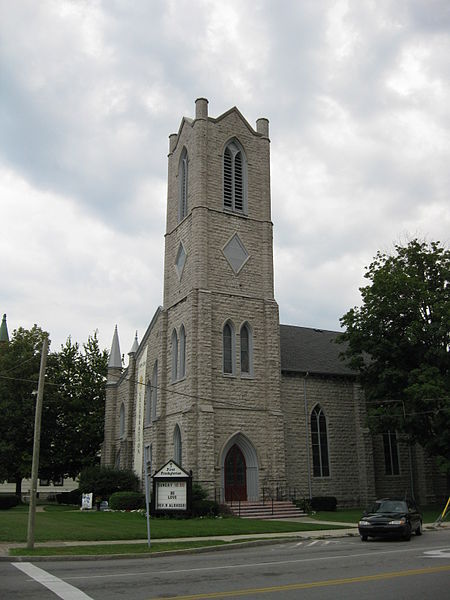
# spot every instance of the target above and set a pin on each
(86, 501)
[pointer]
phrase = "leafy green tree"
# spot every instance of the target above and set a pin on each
(19, 374)
(399, 340)
(104, 481)
(73, 408)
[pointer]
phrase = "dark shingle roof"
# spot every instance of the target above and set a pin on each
(311, 350)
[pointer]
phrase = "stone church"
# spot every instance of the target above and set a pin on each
(254, 408)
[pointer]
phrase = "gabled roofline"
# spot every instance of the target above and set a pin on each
(191, 123)
(149, 329)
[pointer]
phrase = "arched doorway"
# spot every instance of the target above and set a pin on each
(235, 475)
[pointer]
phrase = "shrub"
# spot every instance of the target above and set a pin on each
(126, 501)
(73, 497)
(324, 503)
(225, 510)
(204, 508)
(303, 504)
(8, 501)
(104, 481)
(198, 492)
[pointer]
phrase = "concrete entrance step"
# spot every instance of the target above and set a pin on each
(278, 509)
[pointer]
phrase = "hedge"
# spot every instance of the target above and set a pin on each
(73, 497)
(8, 501)
(324, 503)
(126, 501)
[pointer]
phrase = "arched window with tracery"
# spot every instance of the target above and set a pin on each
(122, 420)
(319, 443)
(234, 178)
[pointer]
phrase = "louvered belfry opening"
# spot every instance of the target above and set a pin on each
(227, 179)
(233, 178)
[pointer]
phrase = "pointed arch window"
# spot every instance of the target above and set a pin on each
(182, 363)
(122, 420)
(390, 447)
(154, 391)
(234, 178)
(148, 402)
(246, 350)
(229, 346)
(177, 445)
(117, 460)
(183, 185)
(319, 441)
(174, 355)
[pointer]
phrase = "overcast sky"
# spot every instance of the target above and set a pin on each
(357, 93)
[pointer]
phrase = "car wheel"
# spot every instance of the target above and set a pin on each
(407, 535)
(419, 529)
(363, 538)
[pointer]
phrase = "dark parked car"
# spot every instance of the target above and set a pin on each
(389, 517)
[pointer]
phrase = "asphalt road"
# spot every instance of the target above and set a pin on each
(306, 569)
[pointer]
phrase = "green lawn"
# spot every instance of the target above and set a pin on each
(62, 524)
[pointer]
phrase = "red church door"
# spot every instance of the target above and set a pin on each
(235, 475)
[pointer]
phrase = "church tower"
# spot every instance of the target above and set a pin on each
(221, 405)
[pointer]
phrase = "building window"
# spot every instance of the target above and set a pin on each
(319, 441)
(44, 482)
(174, 355)
(246, 350)
(390, 445)
(58, 482)
(229, 345)
(234, 178)
(122, 420)
(148, 402)
(154, 391)
(177, 445)
(182, 361)
(183, 183)
(117, 460)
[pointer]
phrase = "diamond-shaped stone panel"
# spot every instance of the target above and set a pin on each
(180, 260)
(236, 253)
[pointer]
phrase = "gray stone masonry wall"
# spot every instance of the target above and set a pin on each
(335, 396)
(392, 485)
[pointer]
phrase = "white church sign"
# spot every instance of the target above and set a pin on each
(171, 488)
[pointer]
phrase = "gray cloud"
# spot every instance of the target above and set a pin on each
(357, 94)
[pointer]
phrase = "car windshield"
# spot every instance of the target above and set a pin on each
(389, 506)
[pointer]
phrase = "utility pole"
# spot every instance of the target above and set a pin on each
(36, 445)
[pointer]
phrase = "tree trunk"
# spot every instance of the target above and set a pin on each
(19, 487)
